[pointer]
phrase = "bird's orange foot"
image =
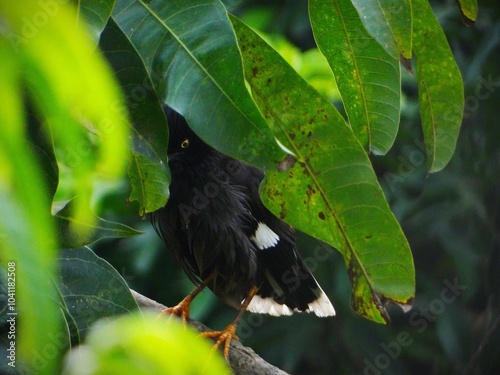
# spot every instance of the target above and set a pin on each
(225, 336)
(181, 310)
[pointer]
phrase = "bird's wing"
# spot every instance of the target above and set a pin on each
(288, 285)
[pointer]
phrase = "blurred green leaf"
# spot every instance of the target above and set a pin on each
(71, 91)
(144, 345)
(91, 289)
(26, 231)
(100, 229)
(190, 52)
(75, 92)
(331, 192)
(389, 22)
(440, 87)
(367, 77)
(43, 149)
(149, 184)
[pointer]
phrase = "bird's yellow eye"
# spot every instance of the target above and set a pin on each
(185, 143)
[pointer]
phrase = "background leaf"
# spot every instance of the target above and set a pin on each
(331, 192)
(101, 229)
(91, 289)
(440, 87)
(367, 77)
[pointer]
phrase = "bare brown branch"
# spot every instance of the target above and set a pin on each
(243, 360)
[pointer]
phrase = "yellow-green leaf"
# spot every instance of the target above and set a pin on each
(144, 345)
(469, 9)
(440, 87)
(27, 242)
(367, 77)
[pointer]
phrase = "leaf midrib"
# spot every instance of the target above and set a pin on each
(193, 57)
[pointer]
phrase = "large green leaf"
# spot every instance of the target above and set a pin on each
(367, 77)
(440, 87)
(148, 170)
(191, 54)
(389, 22)
(331, 192)
(91, 289)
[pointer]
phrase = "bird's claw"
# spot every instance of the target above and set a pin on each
(181, 310)
(225, 336)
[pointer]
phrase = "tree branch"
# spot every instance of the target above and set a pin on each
(243, 360)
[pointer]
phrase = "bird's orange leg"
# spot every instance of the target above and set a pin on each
(182, 308)
(229, 333)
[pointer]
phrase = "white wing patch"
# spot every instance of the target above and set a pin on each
(321, 306)
(264, 237)
(268, 306)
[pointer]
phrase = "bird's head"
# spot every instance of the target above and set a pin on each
(184, 146)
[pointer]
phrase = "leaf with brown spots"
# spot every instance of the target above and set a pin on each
(332, 191)
(368, 77)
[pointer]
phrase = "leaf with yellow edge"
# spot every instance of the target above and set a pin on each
(469, 10)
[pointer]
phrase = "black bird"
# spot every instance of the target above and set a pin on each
(221, 234)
